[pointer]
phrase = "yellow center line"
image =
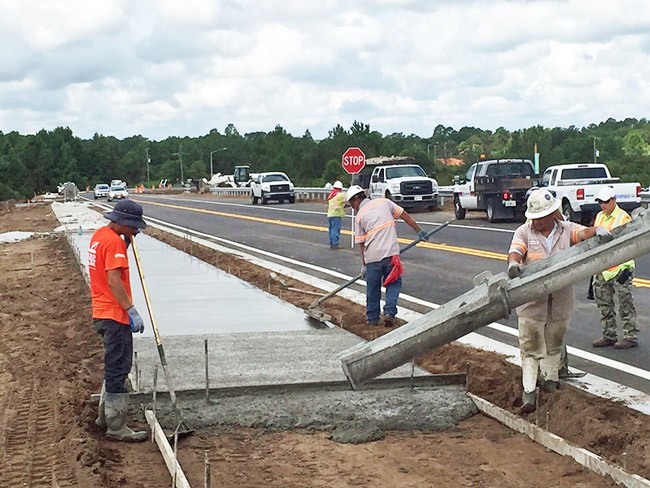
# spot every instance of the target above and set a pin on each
(639, 282)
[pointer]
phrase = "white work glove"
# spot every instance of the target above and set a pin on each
(603, 234)
(514, 269)
(363, 271)
(135, 320)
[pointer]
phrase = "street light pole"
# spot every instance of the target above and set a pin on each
(148, 161)
(211, 153)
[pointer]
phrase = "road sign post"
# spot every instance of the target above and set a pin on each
(353, 161)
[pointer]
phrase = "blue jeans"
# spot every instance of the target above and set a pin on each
(375, 275)
(118, 353)
(334, 230)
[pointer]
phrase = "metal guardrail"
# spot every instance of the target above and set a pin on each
(301, 193)
(321, 193)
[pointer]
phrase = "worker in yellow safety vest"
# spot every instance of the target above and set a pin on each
(616, 280)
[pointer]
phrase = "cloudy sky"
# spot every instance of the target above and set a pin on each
(163, 68)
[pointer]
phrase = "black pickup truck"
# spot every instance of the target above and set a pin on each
(496, 186)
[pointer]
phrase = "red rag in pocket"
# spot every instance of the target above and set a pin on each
(396, 272)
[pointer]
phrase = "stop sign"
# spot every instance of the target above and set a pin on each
(353, 160)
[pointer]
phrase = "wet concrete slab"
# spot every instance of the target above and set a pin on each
(191, 297)
(259, 358)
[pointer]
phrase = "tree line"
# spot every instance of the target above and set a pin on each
(36, 163)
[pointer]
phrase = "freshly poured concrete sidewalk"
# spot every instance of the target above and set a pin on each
(254, 340)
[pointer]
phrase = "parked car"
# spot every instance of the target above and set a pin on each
(117, 192)
(101, 190)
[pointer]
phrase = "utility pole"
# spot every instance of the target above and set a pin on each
(180, 157)
(596, 152)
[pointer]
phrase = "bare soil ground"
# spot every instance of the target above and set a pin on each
(51, 362)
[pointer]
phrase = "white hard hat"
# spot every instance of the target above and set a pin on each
(541, 203)
(338, 184)
(605, 194)
(352, 192)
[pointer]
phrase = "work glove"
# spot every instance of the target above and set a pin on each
(603, 234)
(623, 276)
(422, 235)
(514, 269)
(363, 271)
(135, 320)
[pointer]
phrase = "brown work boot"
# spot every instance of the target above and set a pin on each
(373, 323)
(603, 342)
(389, 321)
(625, 344)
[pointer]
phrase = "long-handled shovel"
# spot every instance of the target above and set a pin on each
(319, 314)
(182, 429)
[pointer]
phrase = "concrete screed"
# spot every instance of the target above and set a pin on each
(256, 340)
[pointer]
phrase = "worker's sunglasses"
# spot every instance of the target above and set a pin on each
(602, 202)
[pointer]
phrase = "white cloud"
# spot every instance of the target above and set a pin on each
(163, 67)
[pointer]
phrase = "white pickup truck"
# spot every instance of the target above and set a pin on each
(272, 186)
(576, 185)
(406, 184)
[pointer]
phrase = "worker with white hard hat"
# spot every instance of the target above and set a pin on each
(376, 234)
(615, 281)
(335, 214)
(543, 323)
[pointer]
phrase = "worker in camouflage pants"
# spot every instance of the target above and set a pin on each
(616, 280)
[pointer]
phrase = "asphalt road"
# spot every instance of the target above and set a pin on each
(436, 273)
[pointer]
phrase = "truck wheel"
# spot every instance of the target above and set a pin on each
(292, 199)
(568, 212)
(388, 195)
(253, 199)
(459, 211)
(264, 199)
(489, 210)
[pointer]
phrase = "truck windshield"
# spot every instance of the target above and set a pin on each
(583, 173)
(271, 178)
(400, 171)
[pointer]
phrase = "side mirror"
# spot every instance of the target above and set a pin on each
(375, 179)
(457, 179)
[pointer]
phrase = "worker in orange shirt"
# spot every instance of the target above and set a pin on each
(114, 316)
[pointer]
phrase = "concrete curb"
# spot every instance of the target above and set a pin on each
(560, 446)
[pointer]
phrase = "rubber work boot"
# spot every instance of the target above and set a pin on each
(100, 421)
(529, 401)
(116, 408)
(603, 342)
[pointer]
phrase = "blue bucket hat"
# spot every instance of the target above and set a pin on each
(127, 212)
